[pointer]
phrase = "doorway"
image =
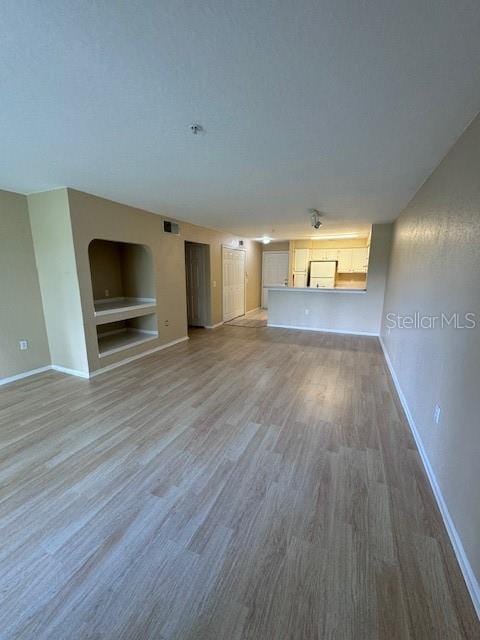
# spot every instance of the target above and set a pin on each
(274, 272)
(233, 269)
(197, 272)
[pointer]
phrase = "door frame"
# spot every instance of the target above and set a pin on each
(230, 248)
(206, 304)
(285, 253)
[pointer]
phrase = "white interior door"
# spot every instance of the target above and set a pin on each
(274, 272)
(233, 283)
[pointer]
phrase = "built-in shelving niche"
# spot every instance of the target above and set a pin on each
(123, 285)
(123, 334)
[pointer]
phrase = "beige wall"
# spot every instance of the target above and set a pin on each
(435, 268)
(94, 217)
(21, 314)
(253, 274)
(120, 270)
(283, 245)
(216, 239)
(358, 312)
(105, 267)
(137, 271)
(57, 271)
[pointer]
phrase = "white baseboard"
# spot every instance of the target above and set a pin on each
(465, 566)
(214, 326)
(344, 331)
(253, 310)
(70, 372)
(25, 374)
(136, 357)
(84, 374)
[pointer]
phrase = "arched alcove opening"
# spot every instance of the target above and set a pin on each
(123, 287)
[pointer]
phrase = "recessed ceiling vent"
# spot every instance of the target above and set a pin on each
(171, 227)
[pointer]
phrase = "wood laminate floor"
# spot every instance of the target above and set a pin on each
(253, 320)
(243, 485)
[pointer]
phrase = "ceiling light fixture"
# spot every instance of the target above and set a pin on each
(315, 218)
(266, 240)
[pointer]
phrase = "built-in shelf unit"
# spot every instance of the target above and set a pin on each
(123, 286)
(113, 309)
(123, 334)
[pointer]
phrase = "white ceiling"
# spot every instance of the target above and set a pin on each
(346, 106)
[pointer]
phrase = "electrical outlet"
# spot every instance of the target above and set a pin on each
(307, 311)
(214, 284)
(436, 414)
(107, 293)
(23, 345)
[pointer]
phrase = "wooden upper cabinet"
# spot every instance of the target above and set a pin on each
(300, 259)
(353, 260)
(344, 261)
(331, 254)
(325, 254)
(360, 260)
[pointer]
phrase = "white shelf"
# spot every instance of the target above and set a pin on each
(114, 309)
(124, 339)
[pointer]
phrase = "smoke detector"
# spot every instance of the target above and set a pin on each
(196, 128)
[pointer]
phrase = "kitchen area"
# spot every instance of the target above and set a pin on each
(319, 264)
(332, 263)
(332, 284)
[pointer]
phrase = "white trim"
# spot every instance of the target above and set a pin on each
(25, 374)
(214, 326)
(142, 307)
(70, 372)
(132, 307)
(344, 331)
(137, 356)
(465, 566)
(84, 374)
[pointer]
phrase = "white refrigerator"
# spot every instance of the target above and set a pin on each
(322, 274)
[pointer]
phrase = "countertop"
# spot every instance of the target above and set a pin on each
(320, 289)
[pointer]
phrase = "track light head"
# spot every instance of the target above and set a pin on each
(315, 218)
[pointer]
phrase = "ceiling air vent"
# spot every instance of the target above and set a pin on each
(171, 227)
